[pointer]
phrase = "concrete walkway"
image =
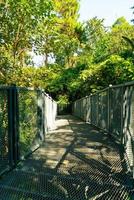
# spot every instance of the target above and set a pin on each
(76, 162)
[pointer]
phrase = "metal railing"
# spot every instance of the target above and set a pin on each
(26, 115)
(112, 110)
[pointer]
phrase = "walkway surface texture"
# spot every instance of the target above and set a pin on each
(76, 162)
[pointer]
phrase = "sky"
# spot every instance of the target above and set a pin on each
(109, 10)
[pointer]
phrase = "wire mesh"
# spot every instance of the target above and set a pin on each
(37, 113)
(88, 108)
(4, 142)
(116, 112)
(77, 108)
(112, 110)
(94, 109)
(10, 193)
(128, 124)
(103, 110)
(88, 166)
(25, 116)
(28, 121)
(50, 113)
(83, 108)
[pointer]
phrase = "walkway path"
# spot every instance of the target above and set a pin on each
(76, 162)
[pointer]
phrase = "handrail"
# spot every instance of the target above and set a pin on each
(25, 119)
(107, 113)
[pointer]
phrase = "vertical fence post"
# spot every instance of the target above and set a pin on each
(109, 113)
(13, 125)
(91, 108)
(122, 121)
(10, 127)
(109, 108)
(43, 113)
(98, 107)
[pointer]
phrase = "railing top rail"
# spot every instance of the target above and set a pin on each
(93, 94)
(123, 84)
(98, 92)
(5, 87)
(47, 95)
(28, 89)
(37, 90)
(131, 83)
(19, 88)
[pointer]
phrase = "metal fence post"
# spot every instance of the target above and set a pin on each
(43, 113)
(91, 109)
(109, 129)
(13, 125)
(122, 121)
(98, 105)
(10, 127)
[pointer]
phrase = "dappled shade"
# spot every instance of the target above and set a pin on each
(77, 161)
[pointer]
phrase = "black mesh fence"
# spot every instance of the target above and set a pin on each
(29, 121)
(112, 110)
(128, 124)
(26, 115)
(88, 109)
(94, 109)
(103, 110)
(116, 112)
(4, 141)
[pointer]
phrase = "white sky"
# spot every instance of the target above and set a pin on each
(109, 10)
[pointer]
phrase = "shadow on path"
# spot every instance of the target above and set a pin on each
(76, 162)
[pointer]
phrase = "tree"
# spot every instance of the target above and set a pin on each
(117, 45)
(18, 22)
(57, 36)
(92, 36)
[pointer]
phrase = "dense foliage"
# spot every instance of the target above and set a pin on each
(79, 58)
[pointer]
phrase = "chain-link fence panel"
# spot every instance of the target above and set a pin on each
(128, 124)
(116, 96)
(77, 108)
(83, 108)
(103, 110)
(50, 113)
(94, 109)
(28, 121)
(88, 111)
(113, 111)
(80, 108)
(4, 137)
(37, 114)
(25, 116)
(54, 113)
(74, 109)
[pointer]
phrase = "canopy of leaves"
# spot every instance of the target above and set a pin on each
(79, 58)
